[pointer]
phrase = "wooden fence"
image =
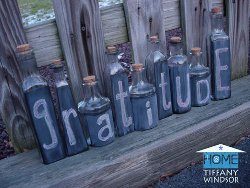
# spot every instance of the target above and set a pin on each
(45, 40)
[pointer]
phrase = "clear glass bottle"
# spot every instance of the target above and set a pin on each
(117, 87)
(179, 77)
(41, 108)
(143, 99)
(97, 112)
(220, 58)
(72, 128)
(158, 74)
(199, 79)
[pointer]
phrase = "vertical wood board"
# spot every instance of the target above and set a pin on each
(144, 19)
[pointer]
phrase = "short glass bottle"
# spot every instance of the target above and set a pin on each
(72, 128)
(41, 108)
(220, 58)
(199, 79)
(179, 77)
(97, 113)
(158, 74)
(117, 87)
(143, 99)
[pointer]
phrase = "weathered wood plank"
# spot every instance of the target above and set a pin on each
(45, 41)
(238, 27)
(144, 19)
(114, 28)
(140, 157)
(196, 25)
(12, 104)
(82, 39)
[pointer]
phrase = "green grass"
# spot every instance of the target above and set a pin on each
(32, 6)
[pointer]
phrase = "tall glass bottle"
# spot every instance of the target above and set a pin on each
(220, 58)
(143, 99)
(179, 77)
(117, 87)
(97, 113)
(199, 79)
(158, 74)
(72, 129)
(40, 107)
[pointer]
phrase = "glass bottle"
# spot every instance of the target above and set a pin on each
(97, 113)
(41, 109)
(199, 79)
(220, 58)
(158, 74)
(143, 99)
(117, 87)
(72, 128)
(179, 77)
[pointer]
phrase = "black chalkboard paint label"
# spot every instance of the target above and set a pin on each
(122, 105)
(162, 85)
(200, 90)
(73, 132)
(180, 84)
(45, 125)
(101, 128)
(145, 112)
(221, 69)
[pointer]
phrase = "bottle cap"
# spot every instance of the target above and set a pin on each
(195, 50)
(216, 10)
(23, 48)
(137, 67)
(89, 79)
(154, 39)
(57, 63)
(111, 49)
(175, 39)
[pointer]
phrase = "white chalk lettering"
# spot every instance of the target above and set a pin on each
(66, 114)
(162, 85)
(126, 121)
(198, 91)
(180, 102)
(44, 113)
(220, 68)
(149, 114)
(105, 117)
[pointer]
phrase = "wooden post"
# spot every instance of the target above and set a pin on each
(144, 19)
(238, 28)
(12, 104)
(82, 39)
(196, 25)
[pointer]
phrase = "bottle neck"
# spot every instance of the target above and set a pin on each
(59, 74)
(175, 49)
(27, 63)
(153, 46)
(217, 23)
(92, 91)
(113, 58)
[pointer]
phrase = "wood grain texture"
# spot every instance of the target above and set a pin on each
(196, 25)
(238, 27)
(140, 157)
(82, 39)
(45, 41)
(12, 104)
(144, 19)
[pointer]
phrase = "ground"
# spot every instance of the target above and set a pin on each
(192, 176)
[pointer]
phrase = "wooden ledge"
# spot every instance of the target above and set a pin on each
(138, 158)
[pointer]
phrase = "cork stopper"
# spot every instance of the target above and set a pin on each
(111, 49)
(216, 10)
(23, 48)
(175, 39)
(196, 50)
(57, 63)
(154, 39)
(137, 67)
(89, 80)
